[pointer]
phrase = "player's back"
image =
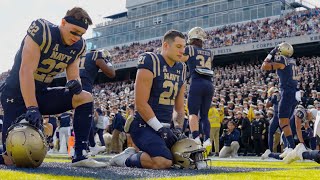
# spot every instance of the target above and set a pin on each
(198, 58)
(88, 69)
(166, 84)
(288, 76)
(54, 56)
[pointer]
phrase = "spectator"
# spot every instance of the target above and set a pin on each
(230, 138)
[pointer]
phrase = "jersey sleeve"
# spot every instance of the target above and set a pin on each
(39, 31)
(97, 55)
(300, 114)
(189, 50)
(281, 60)
(147, 61)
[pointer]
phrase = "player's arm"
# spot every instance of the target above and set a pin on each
(298, 122)
(142, 88)
(179, 108)
(29, 64)
(72, 71)
(269, 66)
(106, 68)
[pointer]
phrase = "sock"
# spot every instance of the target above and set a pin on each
(81, 125)
(195, 134)
(275, 156)
(206, 128)
(311, 155)
(291, 141)
(92, 143)
(134, 160)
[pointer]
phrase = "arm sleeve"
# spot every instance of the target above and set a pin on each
(40, 33)
(147, 61)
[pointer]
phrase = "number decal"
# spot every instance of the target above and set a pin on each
(203, 62)
(295, 73)
(48, 70)
(165, 97)
(141, 59)
(33, 29)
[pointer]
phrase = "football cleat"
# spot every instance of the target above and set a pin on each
(96, 149)
(265, 155)
(120, 159)
(295, 154)
(88, 163)
(285, 153)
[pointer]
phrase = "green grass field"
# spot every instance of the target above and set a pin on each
(58, 167)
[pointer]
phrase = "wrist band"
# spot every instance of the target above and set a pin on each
(154, 123)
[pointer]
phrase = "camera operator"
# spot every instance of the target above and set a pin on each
(230, 138)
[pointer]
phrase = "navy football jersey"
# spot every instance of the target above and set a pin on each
(167, 82)
(54, 57)
(198, 57)
(288, 76)
(88, 69)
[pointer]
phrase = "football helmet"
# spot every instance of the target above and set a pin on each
(197, 33)
(26, 145)
(188, 154)
(272, 90)
(106, 54)
(285, 49)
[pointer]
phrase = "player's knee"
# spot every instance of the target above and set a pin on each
(83, 98)
(162, 163)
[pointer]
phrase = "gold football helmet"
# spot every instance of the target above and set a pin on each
(26, 145)
(285, 49)
(197, 33)
(272, 90)
(106, 53)
(188, 154)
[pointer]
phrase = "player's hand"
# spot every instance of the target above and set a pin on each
(274, 51)
(33, 116)
(74, 86)
(167, 135)
(178, 132)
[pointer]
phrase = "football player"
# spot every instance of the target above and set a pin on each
(287, 71)
(89, 68)
(201, 87)
(159, 88)
(45, 51)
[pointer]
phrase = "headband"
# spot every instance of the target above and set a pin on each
(81, 23)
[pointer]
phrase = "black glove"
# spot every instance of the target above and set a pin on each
(33, 116)
(167, 135)
(178, 132)
(74, 86)
(274, 51)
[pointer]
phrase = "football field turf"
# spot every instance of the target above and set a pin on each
(58, 167)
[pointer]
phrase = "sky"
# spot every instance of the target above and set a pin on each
(17, 15)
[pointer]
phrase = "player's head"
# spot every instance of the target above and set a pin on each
(26, 145)
(196, 36)
(285, 49)
(74, 25)
(173, 44)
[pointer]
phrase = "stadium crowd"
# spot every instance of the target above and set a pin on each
(293, 24)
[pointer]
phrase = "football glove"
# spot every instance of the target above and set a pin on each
(274, 51)
(33, 116)
(178, 132)
(74, 86)
(168, 136)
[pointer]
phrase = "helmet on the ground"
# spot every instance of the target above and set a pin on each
(26, 145)
(197, 33)
(285, 49)
(188, 154)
